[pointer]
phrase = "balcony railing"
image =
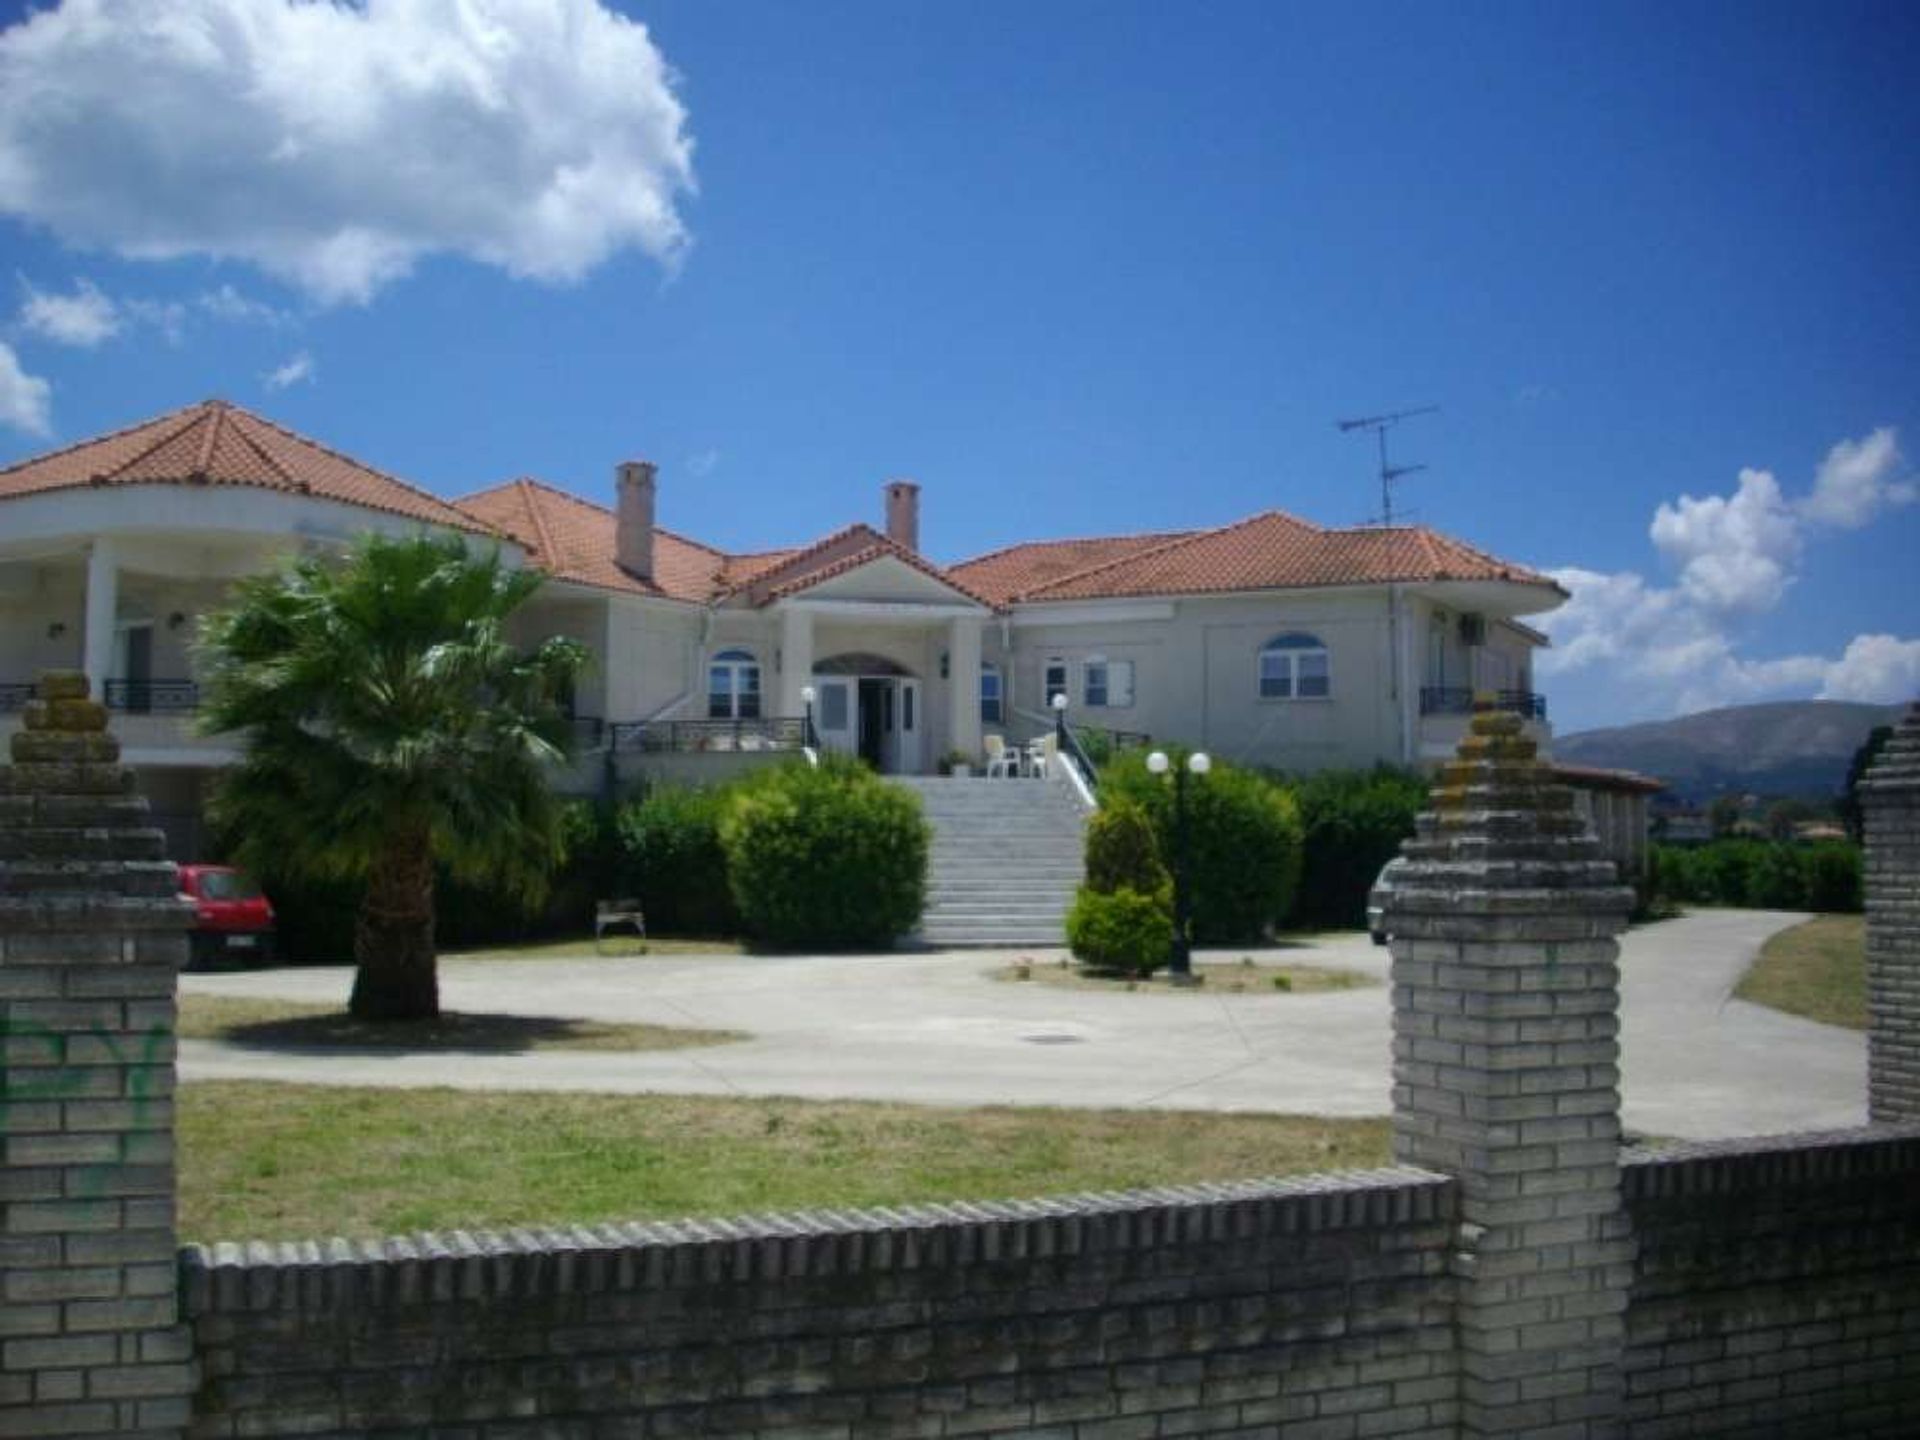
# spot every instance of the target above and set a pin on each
(146, 697)
(14, 695)
(778, 732)
(1458, 700)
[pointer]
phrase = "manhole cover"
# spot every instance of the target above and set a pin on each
(1052, 1037)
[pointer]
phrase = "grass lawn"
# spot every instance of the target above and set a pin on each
(269, 1161)
(1248, 977)
(279, 1024)
(1818, 969)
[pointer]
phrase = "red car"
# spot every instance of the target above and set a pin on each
(233, 923)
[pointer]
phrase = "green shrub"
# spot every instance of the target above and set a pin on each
(1122, 853)
(1774, 880)
(1833, 878)
(825, 858)
(1352, 823)
(671, 858)
(1244, 855)
(1099, 747)
(1122, 931)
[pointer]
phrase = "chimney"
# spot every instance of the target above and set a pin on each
(633, 517)
(903, 514)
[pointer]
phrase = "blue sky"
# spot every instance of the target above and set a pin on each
(1075, 267)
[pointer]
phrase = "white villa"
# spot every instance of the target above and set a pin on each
(1270, 641)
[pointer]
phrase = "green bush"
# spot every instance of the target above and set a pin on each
(1833, 878)
(1770, 875)
(1352, 823)
(825, 858)
(1122, 853)
(1774, 880)
(1122, 931)
(1245, 842)
(671, 858)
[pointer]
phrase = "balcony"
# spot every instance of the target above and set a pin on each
(153, 697)
(1446, 710)
(686, 737)
(1458, 700)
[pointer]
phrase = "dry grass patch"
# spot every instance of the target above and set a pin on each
(271, 1161)
(1248, 977)
(615, 947)
(296, 1024)
(1818, 969)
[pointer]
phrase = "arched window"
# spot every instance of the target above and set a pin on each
(1294, 667)
(990, 713)
(733, 686)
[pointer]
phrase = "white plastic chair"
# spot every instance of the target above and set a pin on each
(1002, 761)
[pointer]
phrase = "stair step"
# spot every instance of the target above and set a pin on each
(1005, 861)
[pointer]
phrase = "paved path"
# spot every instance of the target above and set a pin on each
(933, 1028)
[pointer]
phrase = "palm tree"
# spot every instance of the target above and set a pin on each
(389, 725)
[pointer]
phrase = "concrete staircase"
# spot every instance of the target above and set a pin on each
(1007, 856)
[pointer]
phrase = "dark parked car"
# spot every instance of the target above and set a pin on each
(233, 921)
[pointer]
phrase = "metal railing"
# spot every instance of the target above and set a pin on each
(144, 697)
(1459, 700)
(14, 695)
(683, 737)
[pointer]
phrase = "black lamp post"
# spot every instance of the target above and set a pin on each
(1180, 966)
(810, 740)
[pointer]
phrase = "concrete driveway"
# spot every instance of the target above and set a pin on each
(933, 1028)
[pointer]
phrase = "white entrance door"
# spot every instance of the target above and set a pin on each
(836, 713)
(912, 722)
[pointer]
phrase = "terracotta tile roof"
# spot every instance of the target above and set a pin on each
(1269, 551)
(573, 539)
(215, 443)
(1017, 569)
(836, 554)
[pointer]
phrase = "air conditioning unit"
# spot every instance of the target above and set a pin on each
(1473, 629)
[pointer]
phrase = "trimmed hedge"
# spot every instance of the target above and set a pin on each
(1122, 917)
(1770, 875)
(670, 856)
(825, 858)
(1245, 843)
(1121, 930)
(1352, 823)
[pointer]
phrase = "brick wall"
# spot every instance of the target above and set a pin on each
(1778, 1287)
(1321, 1304)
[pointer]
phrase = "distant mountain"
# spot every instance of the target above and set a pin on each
(1796, 747)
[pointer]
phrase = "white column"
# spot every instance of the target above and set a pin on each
(796, 658)
(103, 607)
(963, 684)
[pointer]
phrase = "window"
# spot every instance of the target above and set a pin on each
(1294, 667)
(1054, 681)
(733, 686)
(989, 694)
(833, 707)
(1107, 684)
(906, 707)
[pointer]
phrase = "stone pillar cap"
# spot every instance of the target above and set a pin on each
(1897, 766)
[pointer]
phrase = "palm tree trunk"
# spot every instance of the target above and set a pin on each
(393, 936)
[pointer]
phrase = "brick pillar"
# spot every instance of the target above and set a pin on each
(91, 938)
(1890, 808)
(1505, 1076)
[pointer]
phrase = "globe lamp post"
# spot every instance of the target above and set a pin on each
(1180, 965)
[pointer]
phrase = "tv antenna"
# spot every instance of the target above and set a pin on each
(1380, 424)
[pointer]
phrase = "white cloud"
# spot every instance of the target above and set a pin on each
(703, 463)
(299, 369)
(1880, 668)
(169, 317)
(26, 401)
(336, 145)
(1735, 553)
(1857, 480)
(1672, 649)
(85, 318)
(230, 305)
